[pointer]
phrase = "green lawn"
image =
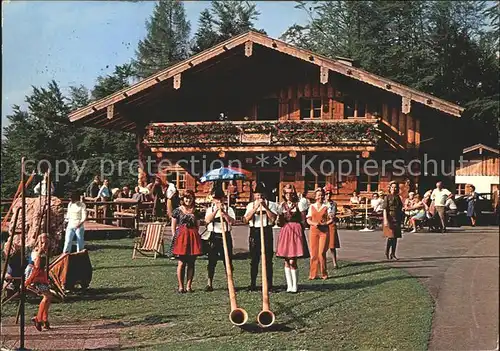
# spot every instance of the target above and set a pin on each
(363, 306)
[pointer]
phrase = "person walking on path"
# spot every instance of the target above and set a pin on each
(439, 196)
(471, 205)
(76, 215)
(393, 216)
(254, 220)
(319, 221)
(187, 246)
(292, 243)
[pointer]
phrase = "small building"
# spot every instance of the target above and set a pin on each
(285, 114)
(480, 167)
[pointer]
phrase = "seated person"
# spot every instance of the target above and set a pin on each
(418, 210)
(355, 200)
(376, 204)
(14, 269)
(451, 210)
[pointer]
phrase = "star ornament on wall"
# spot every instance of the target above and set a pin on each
(262, 160)
(280, 160)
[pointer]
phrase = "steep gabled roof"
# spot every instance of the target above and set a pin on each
(105, 105)
(480, 148)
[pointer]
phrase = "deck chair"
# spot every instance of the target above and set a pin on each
(150, 241)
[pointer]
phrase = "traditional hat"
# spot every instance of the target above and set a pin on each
(260, 188)
(217, 192)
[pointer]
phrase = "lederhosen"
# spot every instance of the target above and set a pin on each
(255, 250)
(214, 247)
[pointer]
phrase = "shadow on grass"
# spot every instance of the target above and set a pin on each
(95, 247)
(255, 328)
(164, 264)
(360, 284)
(104, 294)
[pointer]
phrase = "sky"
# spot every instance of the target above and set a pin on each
(73, 42)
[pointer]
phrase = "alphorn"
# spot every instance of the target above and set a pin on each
(265, 318)
(237, 316)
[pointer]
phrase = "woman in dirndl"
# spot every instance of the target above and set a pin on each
(393, 216)
(187, 246)
(37, 281)
(292, 243)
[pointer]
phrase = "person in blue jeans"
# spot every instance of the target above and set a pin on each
(76, 215)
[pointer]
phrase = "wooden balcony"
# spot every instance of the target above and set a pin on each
(323, 135)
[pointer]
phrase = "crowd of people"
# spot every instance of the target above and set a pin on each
(293, 215)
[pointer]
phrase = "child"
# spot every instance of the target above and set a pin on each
(36, 280)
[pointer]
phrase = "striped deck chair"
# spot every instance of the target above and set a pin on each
(150, 241)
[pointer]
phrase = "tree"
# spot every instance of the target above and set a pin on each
(167, 39)
(206, 36)
(224, 20)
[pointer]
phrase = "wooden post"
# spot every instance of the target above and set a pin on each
(47, 218)
(23, 243)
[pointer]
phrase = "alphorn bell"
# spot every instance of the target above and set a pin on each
(237, 316)
(265, 318)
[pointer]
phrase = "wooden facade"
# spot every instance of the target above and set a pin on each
(252, 97)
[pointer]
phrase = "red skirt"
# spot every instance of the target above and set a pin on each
(187, 242)
(292, 241)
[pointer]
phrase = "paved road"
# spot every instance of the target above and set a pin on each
(460, 269)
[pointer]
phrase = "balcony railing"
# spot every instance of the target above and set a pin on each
(273, 133)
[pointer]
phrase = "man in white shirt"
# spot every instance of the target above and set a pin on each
(213, 238)
(170, 194)
(254, 220)
(75, 215)
(440, 195)
(303, 204)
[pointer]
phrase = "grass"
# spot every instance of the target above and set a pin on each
(364, 306)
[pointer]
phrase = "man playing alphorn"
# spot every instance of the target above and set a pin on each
(214, 243)
(252, 217)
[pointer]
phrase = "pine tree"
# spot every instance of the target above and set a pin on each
(206, 36)
(224, 20)
(167, 39)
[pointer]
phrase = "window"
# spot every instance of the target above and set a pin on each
(360, 109)
(312, 182)
(375, 108)
(268, 109)
(461, 189)
(349, 105)
(367, 183)
(178, 178)
(310, 108)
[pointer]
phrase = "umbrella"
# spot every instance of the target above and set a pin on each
(224, 174)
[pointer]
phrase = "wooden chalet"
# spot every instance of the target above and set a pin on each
(481, 168)
(254, 96)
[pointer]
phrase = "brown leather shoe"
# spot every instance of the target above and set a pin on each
(37, 324)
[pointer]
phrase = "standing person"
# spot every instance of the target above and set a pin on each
(333, 239)
(393, 216)
(439, 196)
(36, 280)
(171, 195)
(76, 215)
(41, 188)
(292, 243)
(158, 199)
(215, 244)
(319, 221)
(254, 220)
(471, 205)
(187, 245)
(104, 194)
(93, 188)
